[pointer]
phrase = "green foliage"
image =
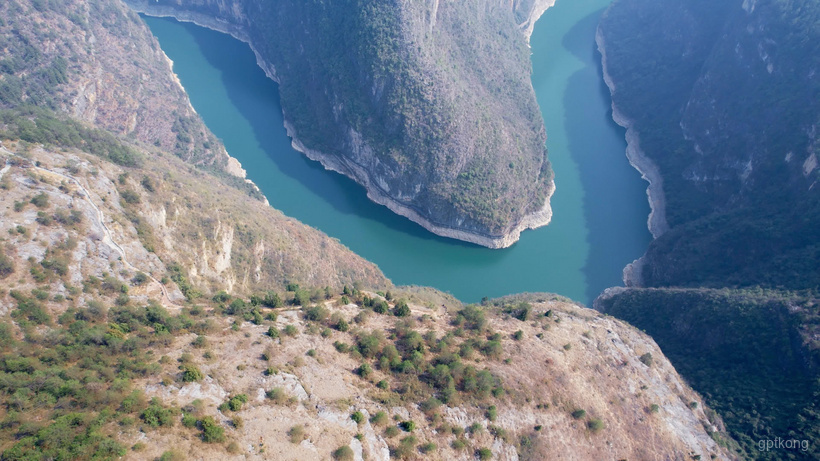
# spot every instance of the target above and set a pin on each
(234, 403)
(358, 417)
(401, 309)
(40, 200)
(37, 125)
(6, 265)
(472, 317)
(484, 454)
(379, 419)
(647, 359)
(177, 274)
(191, 373)
(343, 453)
(296, 434)
(579, 413)
(595, 425)
(212, 432)
(407, 426)
(156, 415)
(316, 313)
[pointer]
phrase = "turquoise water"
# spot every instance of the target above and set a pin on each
(599, 207)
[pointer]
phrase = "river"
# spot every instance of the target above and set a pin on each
(599, 207)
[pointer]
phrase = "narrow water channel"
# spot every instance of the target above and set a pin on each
(599, 207)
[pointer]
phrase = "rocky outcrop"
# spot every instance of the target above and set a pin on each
(438, 121)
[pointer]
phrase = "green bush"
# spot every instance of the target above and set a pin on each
(407, 426)
(343, 453)
(595, 425)
(155, 415)
(40, 200)
(296, 434)
(579, 413)
(212, 432)
(191, 373)
(401, 309)
(484, 454)
(379, 419)
(358, 417)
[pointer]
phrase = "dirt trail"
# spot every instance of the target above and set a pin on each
(108, 238)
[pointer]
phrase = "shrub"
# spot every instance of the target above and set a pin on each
(391, 431)
(427, 448)
(647, 359)
(471, 317)
(430, 405)
(654, 408)
(358, 417)
(40, 200)
(155, 415)
(343, 453)
(484, 454)
(273, 332)
(407, 426)
(234, 403)
(170, 455)
(291, 330)
(296, 434)
(595, 425)
(492, 413)
(401, 309)
(459, 444)
(379, 419)
(579, 413)
(518, 335)
(191, 373)
(140, 278)
(130, 197)
(212, 432)
(364, 370)
(6, 266)
(316, 313)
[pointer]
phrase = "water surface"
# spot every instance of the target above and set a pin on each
(599, 207)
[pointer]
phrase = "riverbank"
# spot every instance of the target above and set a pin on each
(347, 167)
(646, 167)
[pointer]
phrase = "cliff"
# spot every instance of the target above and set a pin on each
(427, 105)
(750, 352)
(721, 101)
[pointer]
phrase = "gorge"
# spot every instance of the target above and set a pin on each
(600, 205)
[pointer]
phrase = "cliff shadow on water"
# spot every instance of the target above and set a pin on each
(256, 98)
(614, 201)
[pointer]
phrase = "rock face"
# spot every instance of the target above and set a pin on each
(427, 104)
(723, 103)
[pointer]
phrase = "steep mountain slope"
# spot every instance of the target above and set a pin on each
(722, 105)
(754, 354)
(110, 74)
(723, 99)
(429, 105)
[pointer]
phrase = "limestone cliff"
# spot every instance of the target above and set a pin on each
(429, 105)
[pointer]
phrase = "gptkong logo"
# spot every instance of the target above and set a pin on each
(783, 444)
